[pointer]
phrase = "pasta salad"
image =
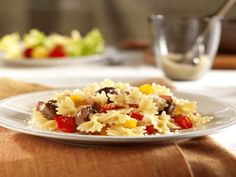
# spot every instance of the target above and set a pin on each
(117, 109)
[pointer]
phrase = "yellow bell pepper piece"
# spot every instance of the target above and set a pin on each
(76, 99)
(40, 52)
(146, 89)
(132, 123)
(178, 110)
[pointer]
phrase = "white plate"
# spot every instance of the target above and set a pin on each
(14, 112)
(98, 58)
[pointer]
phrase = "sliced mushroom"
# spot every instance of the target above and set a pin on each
(170, 105)
(170, 108)
(108, 90)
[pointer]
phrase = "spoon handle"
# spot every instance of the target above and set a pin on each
(220, 13)
(224, 8)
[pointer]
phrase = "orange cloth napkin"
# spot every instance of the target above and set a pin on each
(24, 155)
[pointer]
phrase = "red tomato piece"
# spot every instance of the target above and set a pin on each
(136, 115)
(66, 124)
(57, 51)
(109, 106)
(183, 121)
(150, 129)
(28, 52)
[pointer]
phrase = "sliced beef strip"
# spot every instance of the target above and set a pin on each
(167, 98)
(96, 107)
(83, 115)
(170, 108)
(48, 109)
(39, 105)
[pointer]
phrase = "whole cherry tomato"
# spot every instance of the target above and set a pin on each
(28, 52)
(57, 51)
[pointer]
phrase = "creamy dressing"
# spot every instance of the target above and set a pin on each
(176, 70)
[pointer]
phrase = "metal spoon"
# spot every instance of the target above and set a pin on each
(198, 49)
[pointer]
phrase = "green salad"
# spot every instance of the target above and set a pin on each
(38, 45)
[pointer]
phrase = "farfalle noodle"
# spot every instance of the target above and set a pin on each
(118, 110)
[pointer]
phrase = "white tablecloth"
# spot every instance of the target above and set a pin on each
(216, 83)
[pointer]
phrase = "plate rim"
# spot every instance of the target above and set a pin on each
(104, 56)
(99, 138)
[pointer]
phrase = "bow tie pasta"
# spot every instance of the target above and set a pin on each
(117, 109)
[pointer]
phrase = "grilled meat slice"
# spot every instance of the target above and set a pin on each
(83, 115)
(48, 109)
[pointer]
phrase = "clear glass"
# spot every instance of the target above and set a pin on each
(185, 47)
